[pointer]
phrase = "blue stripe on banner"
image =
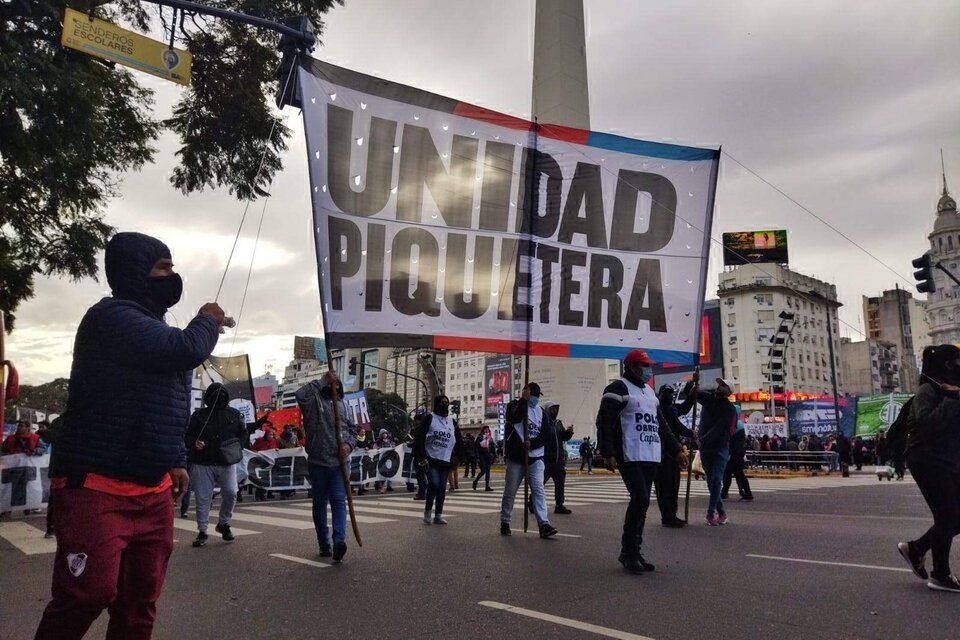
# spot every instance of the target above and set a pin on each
(660, 356)
(650, 149)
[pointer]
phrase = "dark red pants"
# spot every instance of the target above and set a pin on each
(112, 553)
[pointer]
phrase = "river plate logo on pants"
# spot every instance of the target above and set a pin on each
(76, 562)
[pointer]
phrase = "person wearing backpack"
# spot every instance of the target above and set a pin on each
(933, 456)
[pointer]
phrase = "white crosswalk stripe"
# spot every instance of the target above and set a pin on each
(376, 509)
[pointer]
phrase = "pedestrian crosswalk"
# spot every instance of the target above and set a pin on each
(378, 509)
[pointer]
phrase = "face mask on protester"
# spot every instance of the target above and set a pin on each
(165, 291)
(645, 375)
(534, 401)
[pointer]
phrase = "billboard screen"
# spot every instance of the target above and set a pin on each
(748, 247)
(497, 383)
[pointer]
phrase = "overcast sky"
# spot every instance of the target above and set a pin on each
(842, 105)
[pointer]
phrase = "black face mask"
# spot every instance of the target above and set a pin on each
(164, 292)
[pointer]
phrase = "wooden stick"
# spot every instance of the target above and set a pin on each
(343, 461)
(693, 424)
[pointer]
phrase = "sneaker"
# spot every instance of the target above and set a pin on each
(746, 498)
(562, 509)
(427, 519)
(439, 520)
(722, 518)
(325, 551)
(505, 529)
(674, 524)
(944, 584)
(712, 519)
(48, 534)
(547, 530)
(339, 550)
(201, 539)
(646, 565)
(915, 561)
(224, 530)
(184, 514)
(489, 489)
(631, 565)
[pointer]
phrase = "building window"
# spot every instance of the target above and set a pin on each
(731, 319)
(733, 353)
(765, 316)
(949, 243)
(735, 371)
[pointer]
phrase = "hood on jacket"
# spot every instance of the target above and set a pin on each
(216, 396)
(549, 404)
(325, 389)
(128, 260)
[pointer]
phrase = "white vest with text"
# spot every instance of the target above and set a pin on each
(534, 424)
(440, 438)
(640, 424)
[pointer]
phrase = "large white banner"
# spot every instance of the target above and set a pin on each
(441, 224)
(24, 482)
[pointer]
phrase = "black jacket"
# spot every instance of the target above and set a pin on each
(718, 421)
(213, 424)
(556, 435)
(610, 432)
(513, 443)
(934, 433)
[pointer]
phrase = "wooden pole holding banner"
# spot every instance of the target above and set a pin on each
(693, 424)
(526, 454)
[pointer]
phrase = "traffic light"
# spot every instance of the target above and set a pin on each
(455, 407)
(353, 367)
(924, 274)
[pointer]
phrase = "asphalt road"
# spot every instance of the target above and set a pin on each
(767, 574)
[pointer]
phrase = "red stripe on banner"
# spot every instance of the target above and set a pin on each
(493, 117)
(516, 347)
(567, 134)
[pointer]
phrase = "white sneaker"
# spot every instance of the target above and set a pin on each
(426, 517)
(439, 520)
(949, 584)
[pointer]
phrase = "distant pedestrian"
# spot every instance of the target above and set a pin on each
(438, 437)
(325, 455)
(667, 481)
(555, 456)
(469, 454)
(718, 421)
(736, 465)
(933, 456)
(524, 451)
(486, 452)
(633, 435)
(213, 442)
(586, 455)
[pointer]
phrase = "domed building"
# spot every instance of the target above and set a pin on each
(943, 305)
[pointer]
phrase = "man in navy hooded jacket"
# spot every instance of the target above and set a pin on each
(120, 460)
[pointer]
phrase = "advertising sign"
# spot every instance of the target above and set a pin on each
(877, 413)
(498, 383)
(105, 40)
(750, 247)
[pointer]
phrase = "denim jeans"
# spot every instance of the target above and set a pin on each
(512, 482)
(436, 488)
(714, 464)
(327, 485)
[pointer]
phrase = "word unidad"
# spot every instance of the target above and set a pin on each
(408, 258)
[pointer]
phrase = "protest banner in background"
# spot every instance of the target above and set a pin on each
(441, 224)
(24, 482)
(818, 416)
(877, 413)
(283, 469)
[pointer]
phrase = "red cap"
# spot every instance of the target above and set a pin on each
(638, 356)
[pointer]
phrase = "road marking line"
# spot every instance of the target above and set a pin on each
(566, 622)
(828, 515)
(191, 525)
(566, 535)
(835, 564)
(310, 563)
(26, 538)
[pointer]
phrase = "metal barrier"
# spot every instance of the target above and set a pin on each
(793, 460)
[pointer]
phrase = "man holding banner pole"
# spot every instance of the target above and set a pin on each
(328, 448)
(524, 450)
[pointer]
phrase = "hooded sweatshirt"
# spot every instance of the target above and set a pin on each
(213, 424)
(315, 400)
(128, 402)
(555, 434)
